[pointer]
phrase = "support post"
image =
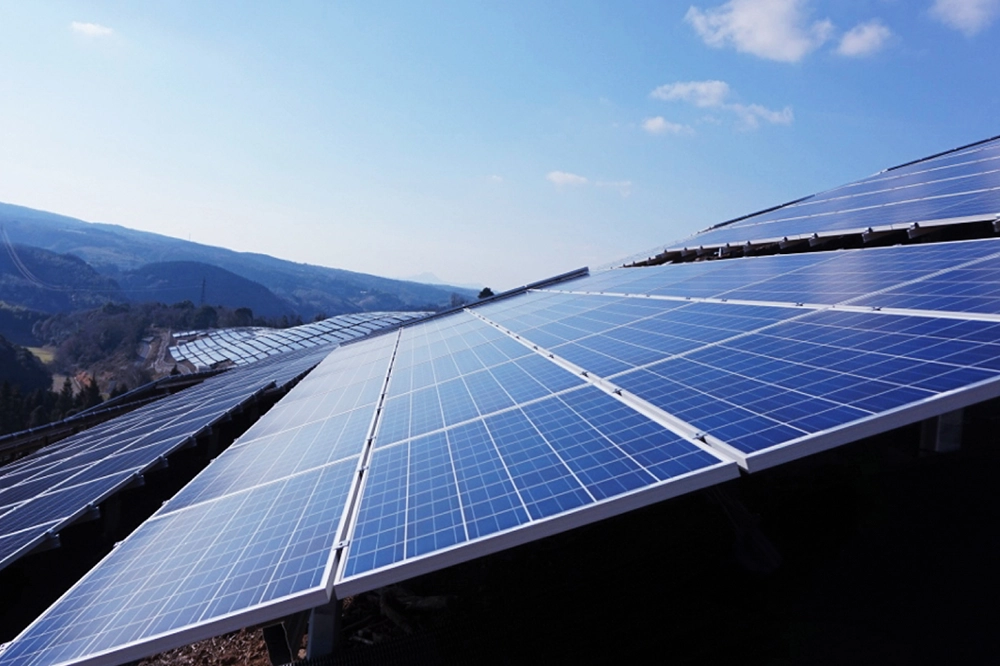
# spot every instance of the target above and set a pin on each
(942, 434)
(212, 443)
(324, 629)
(283, 639)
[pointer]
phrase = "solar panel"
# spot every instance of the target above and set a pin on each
(960, 186)
(940, 276)
(52, 487)
(246, 345)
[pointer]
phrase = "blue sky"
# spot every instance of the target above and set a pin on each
(487, 143)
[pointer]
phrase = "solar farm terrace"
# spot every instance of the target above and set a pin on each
(239, 346)
(567, 402)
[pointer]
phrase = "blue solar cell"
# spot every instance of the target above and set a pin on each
(827, 369)
(457, 404)
(62, 480)
(63, 502)
(14, 545)
(197, 565)
(525, 464)
(489, 500)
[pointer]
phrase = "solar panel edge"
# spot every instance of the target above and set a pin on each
(15, 555)
(465, 551)
(261, 614)
(869, 426)
(128, 478)
(338, 554)
(820, 234)
(663, 418)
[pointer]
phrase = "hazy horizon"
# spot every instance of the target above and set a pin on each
(485, 145)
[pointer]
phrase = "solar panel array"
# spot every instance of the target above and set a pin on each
(960, 186)
(565, 404)
(239, 346)
(49, 489)
(493, 426)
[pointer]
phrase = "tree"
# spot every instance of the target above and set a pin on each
(205, 317)
(90, 395)
(485, 293)
(243, 317)
(457, 301)
(64, 403)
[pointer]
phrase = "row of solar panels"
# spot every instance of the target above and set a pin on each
(957, 187)
(49, 489)
(489, 427)
(246, 345)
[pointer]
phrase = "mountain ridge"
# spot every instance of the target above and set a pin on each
(113, 249)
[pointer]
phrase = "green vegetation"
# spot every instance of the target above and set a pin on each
(26, 399)
(20, 411)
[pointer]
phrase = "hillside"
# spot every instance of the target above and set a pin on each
(113, 250)
(176, 281)
(46, 281)
(16, 323)
(20, 368)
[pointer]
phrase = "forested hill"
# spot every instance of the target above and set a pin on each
(176, 281)
(19, 367)
(41, 280)
(113, 250)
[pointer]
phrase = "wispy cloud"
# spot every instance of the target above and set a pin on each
(864, 39)
(699, 93)
(751, 115)
(91, 29)
(771, 29)
(623, 187)
(494, 178)
(565, 179)
(660, 125)
(968, 16)
(715, 95)
(562, 178)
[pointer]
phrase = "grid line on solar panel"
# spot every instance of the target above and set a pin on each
(956, 188)
(246, 345)
(281, 566)
(873, 277)
(486, 478)
(14, 545)
(704, 388)
(429, 391)
(606, 384)
(814, 381)
(60, 481)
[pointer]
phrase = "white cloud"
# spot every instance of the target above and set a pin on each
(713, 94)
(496, 179)
(864, 39)
(699, 93)
(563, 178)
(968, 16)
(660, 125)
(771, 29)
(91, 29)
(750, 115)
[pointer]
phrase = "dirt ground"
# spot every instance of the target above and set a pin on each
(240, 648)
